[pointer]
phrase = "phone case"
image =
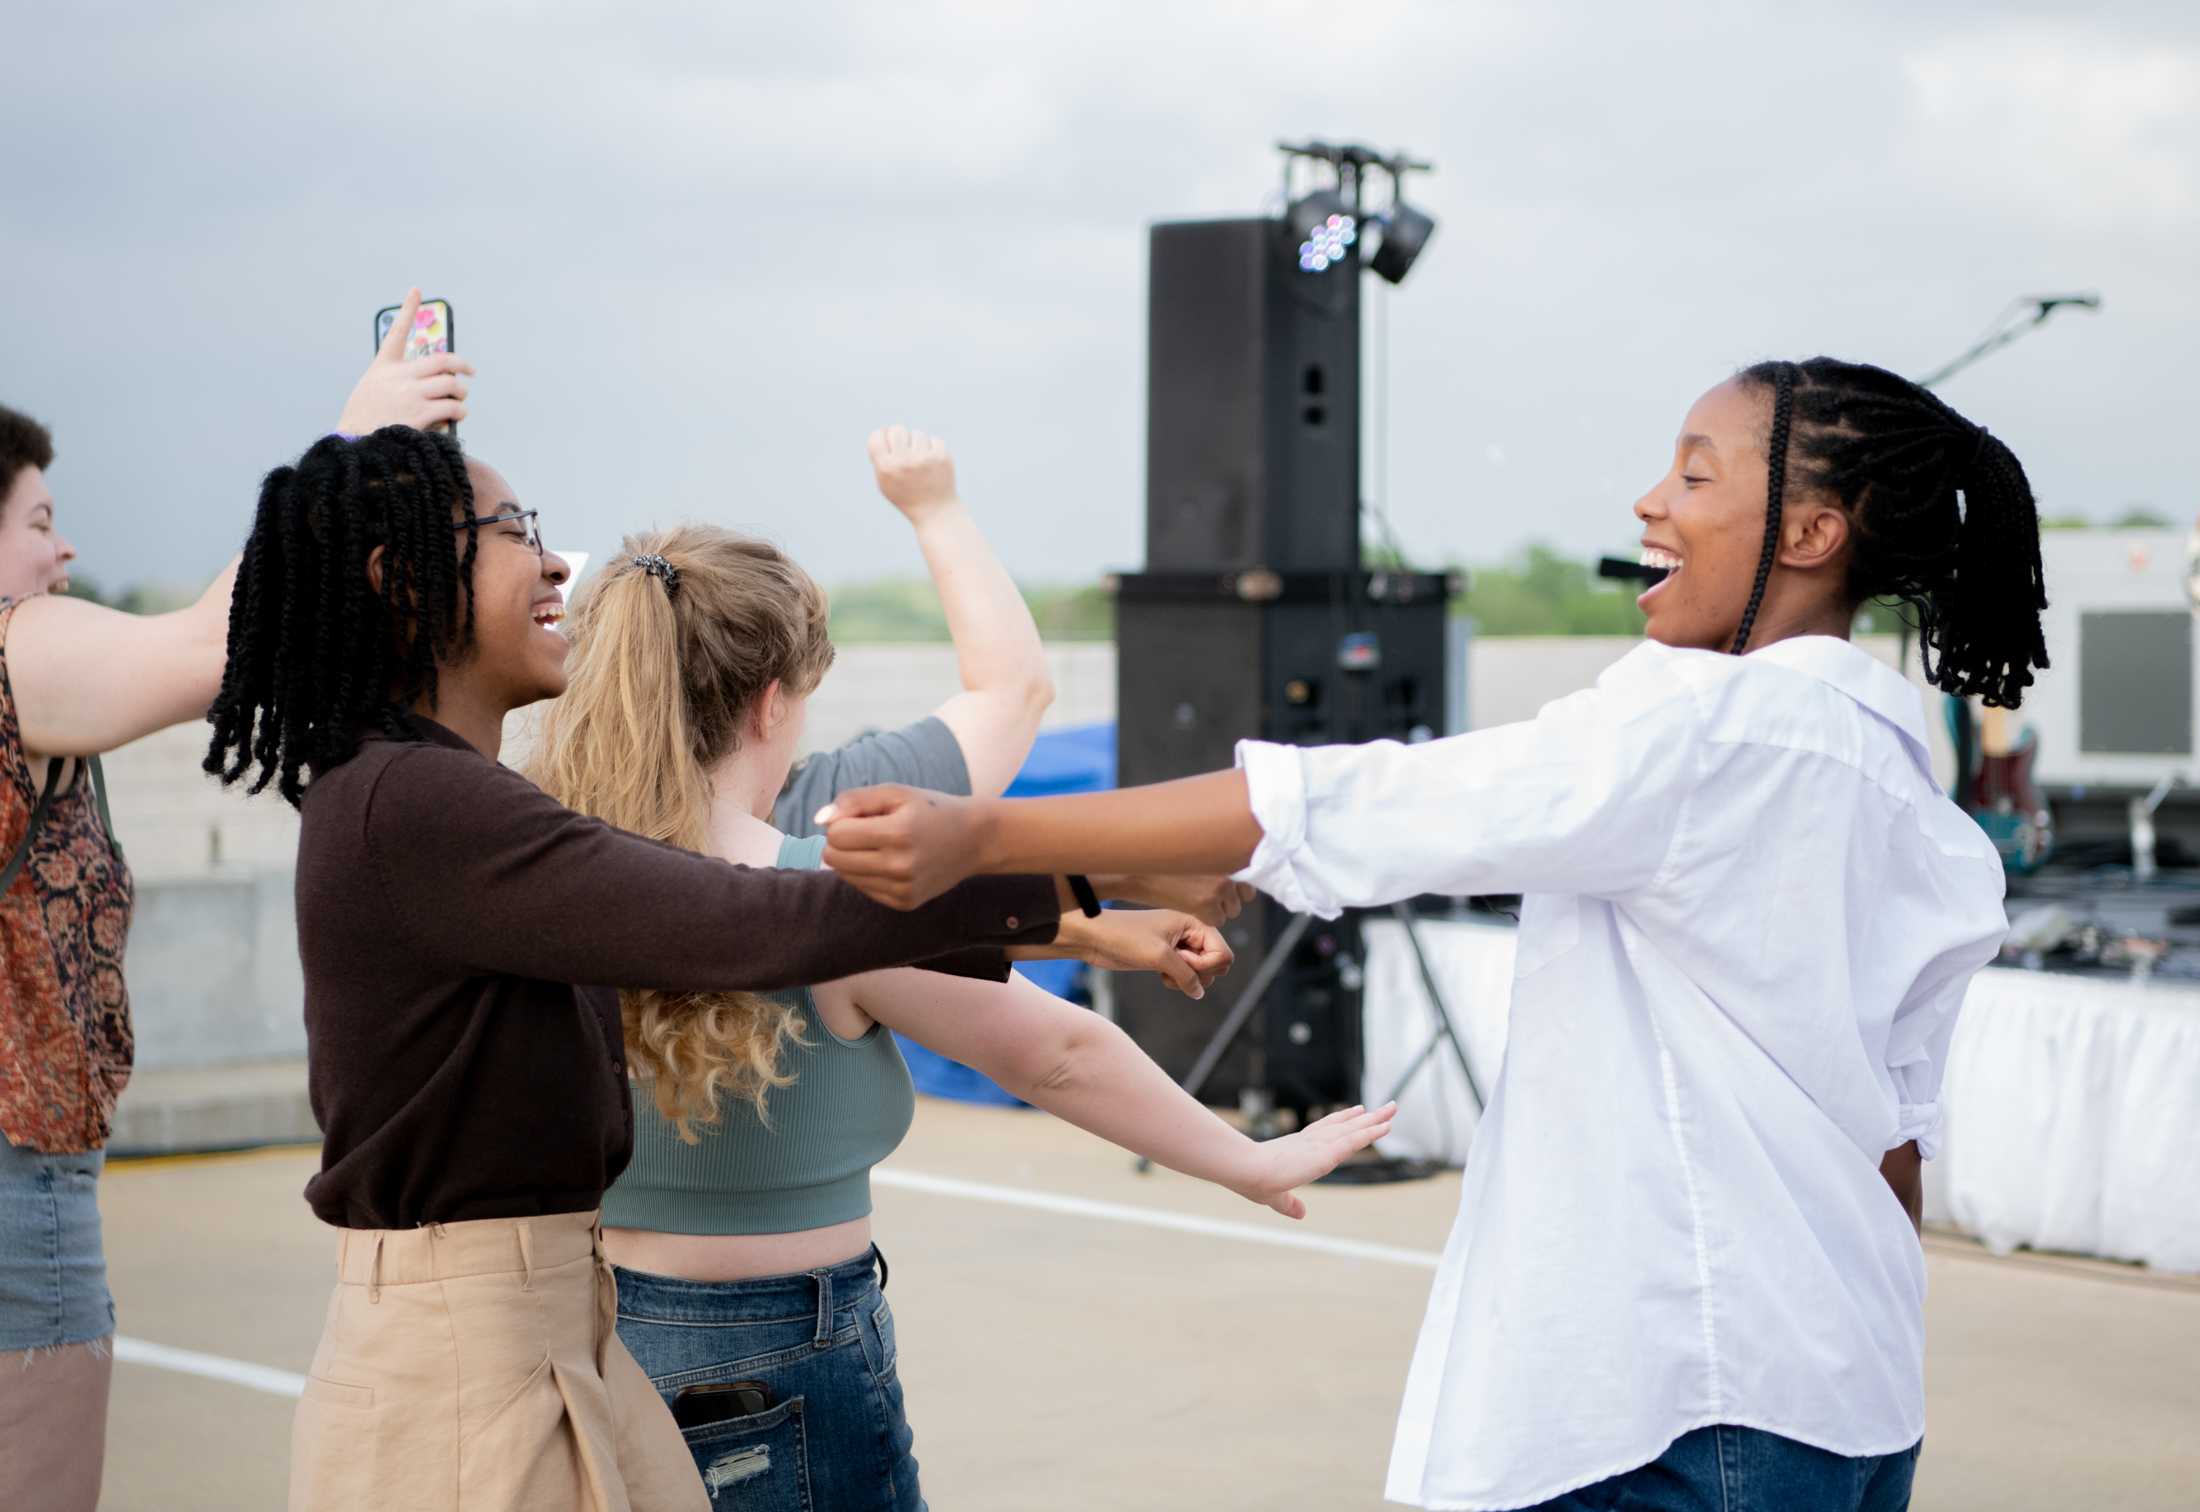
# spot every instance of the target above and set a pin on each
(434, 328)
(719, 1402)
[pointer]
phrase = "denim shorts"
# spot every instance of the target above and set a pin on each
(1728, 1469)
(822, 1344)
(53, 1274)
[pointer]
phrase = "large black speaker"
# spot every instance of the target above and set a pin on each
(1205, 660)
(1252, 403)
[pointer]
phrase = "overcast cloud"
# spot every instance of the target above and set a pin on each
(698, 252)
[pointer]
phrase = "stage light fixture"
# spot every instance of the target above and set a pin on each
(1405, 231)
(1327, 228)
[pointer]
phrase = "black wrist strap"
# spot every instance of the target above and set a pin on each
(1081, 889)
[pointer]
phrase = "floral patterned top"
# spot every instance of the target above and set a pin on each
(65, 1040)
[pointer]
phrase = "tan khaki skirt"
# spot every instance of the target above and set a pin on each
(477, 1366)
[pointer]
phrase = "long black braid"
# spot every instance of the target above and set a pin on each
(1943, 515)
(1776, 450)
(316, 656)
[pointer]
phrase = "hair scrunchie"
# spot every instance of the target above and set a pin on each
(657, 567)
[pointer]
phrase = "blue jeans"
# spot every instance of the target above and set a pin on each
(835, 1438)
(53, 1274)
(1723, 1469)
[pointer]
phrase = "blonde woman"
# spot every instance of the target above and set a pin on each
(750, 1288)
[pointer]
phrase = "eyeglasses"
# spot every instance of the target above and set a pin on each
(526, 517)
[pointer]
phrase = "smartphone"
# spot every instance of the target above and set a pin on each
(433, 328)
(433, 331)
(720, 1401)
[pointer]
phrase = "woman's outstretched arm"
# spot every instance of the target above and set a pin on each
(89, 679)
(1085, 1071)
(904, 845)
(1005, 683)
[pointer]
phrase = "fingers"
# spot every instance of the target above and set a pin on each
(1178, 973)
(863, 803)
(895, 895)
(393, 340)
(1288, 1204)
(442, 411)
(874, 847)
(436, 363)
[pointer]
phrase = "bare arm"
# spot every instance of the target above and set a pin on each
(1005, 682)
(1182, 951)
(1084, 1070)
(902, 845)
(89, 679)
(1904, 1169)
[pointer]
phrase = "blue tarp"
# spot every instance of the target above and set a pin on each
(1076, 760)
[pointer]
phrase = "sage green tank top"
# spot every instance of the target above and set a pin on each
(849, 1108)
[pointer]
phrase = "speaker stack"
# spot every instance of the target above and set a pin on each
(1254, 618)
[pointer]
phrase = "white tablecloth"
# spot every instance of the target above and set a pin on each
(2072, 1104)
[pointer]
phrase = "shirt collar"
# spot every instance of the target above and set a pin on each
(1863, 677)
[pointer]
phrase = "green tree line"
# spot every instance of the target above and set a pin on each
(1537, 591)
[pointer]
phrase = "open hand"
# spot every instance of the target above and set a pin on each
(1279, 1165)
(914, 471)
(420, 392)
(900, 846)
(1183, 952)
(1211, 900)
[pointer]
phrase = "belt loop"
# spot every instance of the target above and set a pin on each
(878, 1257)
(824, 1339)
(526, 1256)
(374, 1270)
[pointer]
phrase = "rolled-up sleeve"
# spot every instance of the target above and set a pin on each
(1917, 1059)
(1585, 798)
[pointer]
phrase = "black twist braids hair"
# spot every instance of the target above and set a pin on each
(1776, 450)
(317, 656)
(1943, 517)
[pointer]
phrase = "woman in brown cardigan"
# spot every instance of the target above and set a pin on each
(463, 938)
(78, 680)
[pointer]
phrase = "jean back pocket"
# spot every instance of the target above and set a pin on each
(759, 1463)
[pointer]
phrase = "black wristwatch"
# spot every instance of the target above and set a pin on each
(1081, 889)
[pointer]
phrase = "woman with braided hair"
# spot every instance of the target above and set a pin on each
(78, 680)
(464, 939)
(1682, 1276)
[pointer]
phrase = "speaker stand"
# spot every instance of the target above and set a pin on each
(1376, 1168)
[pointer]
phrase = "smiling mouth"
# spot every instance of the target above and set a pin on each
(1664, 564)
(549, 618)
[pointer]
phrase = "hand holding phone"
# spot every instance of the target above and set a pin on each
(425, 391)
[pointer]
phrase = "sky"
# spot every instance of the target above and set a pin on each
(698, 252)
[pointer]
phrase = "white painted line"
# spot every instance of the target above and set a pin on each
(213, 1367)
(283, 1383)
(1183, 1223)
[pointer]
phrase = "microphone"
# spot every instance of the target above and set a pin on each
(1634, 572)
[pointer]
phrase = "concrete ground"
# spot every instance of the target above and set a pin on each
(1062, 1348)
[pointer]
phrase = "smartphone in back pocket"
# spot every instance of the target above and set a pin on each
(720, 1401)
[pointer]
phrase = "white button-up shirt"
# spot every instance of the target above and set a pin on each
(1749, 918)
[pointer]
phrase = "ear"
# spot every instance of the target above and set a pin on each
(1814, 535)
(767, 711)
(374, 570)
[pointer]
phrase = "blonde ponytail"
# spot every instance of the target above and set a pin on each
(667, 661)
